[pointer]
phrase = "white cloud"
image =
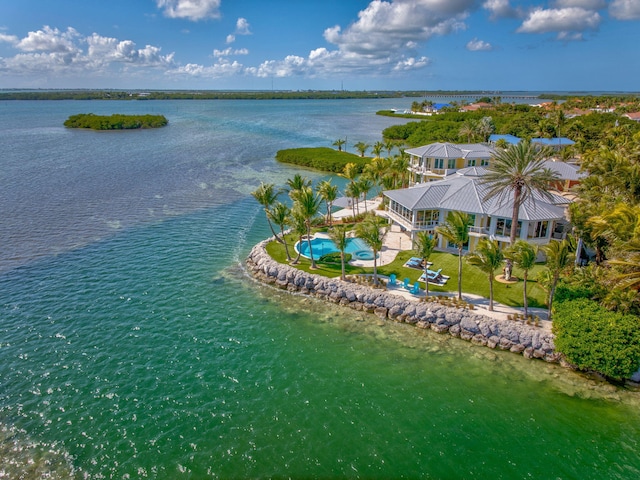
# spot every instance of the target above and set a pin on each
(385, 27)
(231, 38)
(625, 9)
(53, 52)
(242, 27)
(223, 68)
(500, 9)
(12, 39)
(49, 40)
(190, 9)
(230, 51)
(476, 45)
(568, 23)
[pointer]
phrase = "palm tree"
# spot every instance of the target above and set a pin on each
(519, 171)
(388, 146)
(339, 143)
(328, 193)
(353, 192)
(362, 148)
(266, 195)
(488, 257)
(297, 183)
(627, 261)
(377, 149)
(279, 215)
(369, 230)
(338, 235)
(456, 230)
(469, 130)
(364, 187)
(523, 255)
(423, 247)
(299, 228)
(307, 203)
(559, 258)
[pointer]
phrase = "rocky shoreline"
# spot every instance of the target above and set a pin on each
(528, 340)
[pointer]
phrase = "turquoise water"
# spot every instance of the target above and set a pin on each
(133, 344)
(323, 246)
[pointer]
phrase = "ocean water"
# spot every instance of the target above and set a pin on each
(134, 345)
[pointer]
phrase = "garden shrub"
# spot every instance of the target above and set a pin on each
(594, 338)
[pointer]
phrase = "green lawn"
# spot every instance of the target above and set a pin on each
(474, 281)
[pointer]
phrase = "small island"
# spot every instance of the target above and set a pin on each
(115, 122)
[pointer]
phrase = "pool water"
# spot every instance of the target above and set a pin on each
(322, 246)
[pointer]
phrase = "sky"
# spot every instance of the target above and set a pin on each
(490, 45)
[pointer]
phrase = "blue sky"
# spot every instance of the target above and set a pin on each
(553, 45)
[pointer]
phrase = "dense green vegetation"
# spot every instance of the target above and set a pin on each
(115, 121)
(524, 121)
(321, 158)
(594, 338)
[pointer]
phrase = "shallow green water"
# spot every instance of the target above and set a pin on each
(147, 352)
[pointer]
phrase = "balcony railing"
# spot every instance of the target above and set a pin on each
(479, 230)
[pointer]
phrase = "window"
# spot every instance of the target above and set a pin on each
(484, 162)
(471, 162)
(503, 227)
(451, 163)
(427, 218)
(438, 163)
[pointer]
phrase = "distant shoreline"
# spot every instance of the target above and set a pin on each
(79, 94)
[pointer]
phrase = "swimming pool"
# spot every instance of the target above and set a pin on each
(322, 246)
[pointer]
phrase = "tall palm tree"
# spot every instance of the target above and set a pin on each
(377, 149)
(488, 257)
(388, 146)
(266, 195)
(353, 192)
(339, 143)
(469, 130)
(362, 148)
(328, 193)
(279, 214)
(298, 228)
(338, 235)
(456, 230)
(307, 203)
(370, 231)
(559, 258)
(423, 247)
(297, 183)
(364, 187)
(523, 255)
(519, 171)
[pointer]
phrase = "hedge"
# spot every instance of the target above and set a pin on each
(594, 338)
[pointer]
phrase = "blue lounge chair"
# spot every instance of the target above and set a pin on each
(415, 290)
(405, 284)
(392, 279)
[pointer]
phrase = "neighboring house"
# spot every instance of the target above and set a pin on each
(476, 106)
(635, 116)
(437, 160)
(424, 207)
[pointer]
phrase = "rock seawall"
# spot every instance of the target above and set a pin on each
(530, 341)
